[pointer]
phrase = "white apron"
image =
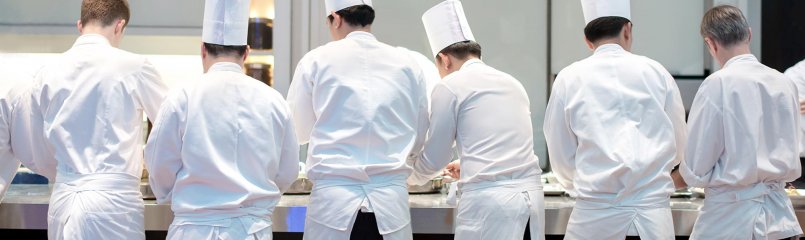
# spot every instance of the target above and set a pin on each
(501, 210)
(241, 228)
(96, 206)
(386, 198)
(619, 222)
(762, 211)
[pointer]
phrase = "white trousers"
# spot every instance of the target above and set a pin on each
(500, 213)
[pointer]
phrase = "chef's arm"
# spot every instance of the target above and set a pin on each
(289, 158)
(300, 99)
(27, 130)
(561, 140)
(422, 121)
(676, 112)
(705, 138)
(163, 151)
(438, 151)
(8, 164)
(150, 90)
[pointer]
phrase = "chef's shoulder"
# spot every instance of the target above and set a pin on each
(129, 63)
(797, 72)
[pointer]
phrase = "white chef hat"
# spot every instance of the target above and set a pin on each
(332, 6)
(594, 9)
(445, 25)
(226, 22)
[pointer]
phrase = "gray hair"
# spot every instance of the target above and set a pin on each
(726, 25)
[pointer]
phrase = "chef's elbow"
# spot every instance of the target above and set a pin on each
(691, 179)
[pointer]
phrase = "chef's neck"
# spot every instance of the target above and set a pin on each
(619, 41)
(346, 29)
(448, 64)
(724, 54)
(208, 61)
(112, 32)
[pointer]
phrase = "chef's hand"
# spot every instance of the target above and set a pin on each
(802, 106)
(453, 170)
(679, 182)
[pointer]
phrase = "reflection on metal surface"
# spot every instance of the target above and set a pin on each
(300, 186)
(25, 207)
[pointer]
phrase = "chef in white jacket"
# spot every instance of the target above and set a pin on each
(797, 74)
(485, 113)
(615, 127)
(223, 149)
(92, 100)
(361, 106)
(741, 148)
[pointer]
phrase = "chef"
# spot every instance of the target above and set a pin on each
(615, 127)
(228, 136)
(485, 113)
(92, 100)
(362, 107)
(741, 147)
(797, 74)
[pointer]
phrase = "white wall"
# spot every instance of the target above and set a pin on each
(666, 31)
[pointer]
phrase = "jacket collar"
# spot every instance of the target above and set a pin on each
(361, 35)
(225, 67)
(469, 63)
(87, 39)
(741, 58)
(609, 48)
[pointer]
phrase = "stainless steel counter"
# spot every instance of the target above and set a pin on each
(25, 207)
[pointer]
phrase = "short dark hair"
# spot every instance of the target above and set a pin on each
(604, 27)
(462, 50)
(356, 15)
(726, 25)
(224, 50)
(105, 12)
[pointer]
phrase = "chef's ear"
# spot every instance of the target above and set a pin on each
(589, 44)
(337, 20)
(445, 59)
(80, 26)
(246, 54)
(120, 26)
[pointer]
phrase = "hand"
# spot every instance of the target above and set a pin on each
(679, 182)
(453, 170)
(802, 106)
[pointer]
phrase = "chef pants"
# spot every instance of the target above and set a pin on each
(762, 211)
(364, 232)
(240, 228)
(501, 211)
(96, 206)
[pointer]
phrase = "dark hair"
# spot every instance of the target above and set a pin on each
(604, 27)
(462, 50)
(356, 15)
(105, 12)
(726, 25)
(223, 50)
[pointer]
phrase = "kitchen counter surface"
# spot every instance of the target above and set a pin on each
(25, 207)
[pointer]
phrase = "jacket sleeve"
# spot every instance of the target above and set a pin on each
(163, 151)
(300, 99)
(8, 164)
(27, 128)
(438, 150)
(289, 158)
(560, 138)
(705, 136)
(422, 118)
(150, 91)
(676, 112)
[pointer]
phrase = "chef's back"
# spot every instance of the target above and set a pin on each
(617, 105)
(364, 106)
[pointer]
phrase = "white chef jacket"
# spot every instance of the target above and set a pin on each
(362, 107)
(228, 136)
(742, 151)
(615, 127)
(486, 114)
(429, 71)
(797, 74)
(92, 99)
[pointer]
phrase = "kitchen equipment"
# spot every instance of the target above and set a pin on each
(433, 186)
(260, 71)
(300, 186)
(145, 189)
(260, 33)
